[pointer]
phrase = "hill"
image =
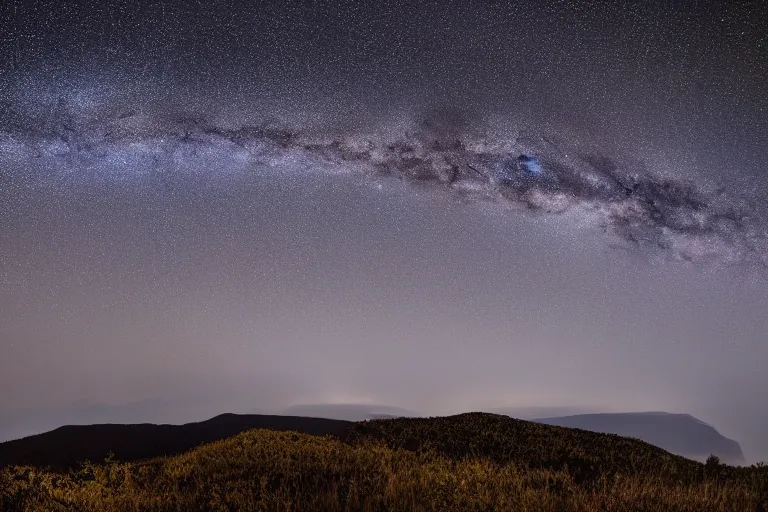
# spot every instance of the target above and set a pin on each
(678, 433)
(65, 447)
(505, 440)
(21, 422)
(497, 437)
(472, 461)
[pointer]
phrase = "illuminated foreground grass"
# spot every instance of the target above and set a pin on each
(285, 471)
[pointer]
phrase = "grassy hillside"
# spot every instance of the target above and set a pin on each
(65, 447)
(587, 455)
(459, 463)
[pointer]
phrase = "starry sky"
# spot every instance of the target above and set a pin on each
(213, 207)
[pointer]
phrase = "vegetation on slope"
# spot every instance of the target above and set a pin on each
(466, 462)
(586, 455)
(65, 447)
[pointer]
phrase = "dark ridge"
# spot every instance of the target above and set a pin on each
(65, 447)
(678, 433)
(503, 440)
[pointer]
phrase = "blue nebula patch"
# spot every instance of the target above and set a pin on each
(530, 164)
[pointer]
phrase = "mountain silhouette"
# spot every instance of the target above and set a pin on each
(66, 446)
(681, 434)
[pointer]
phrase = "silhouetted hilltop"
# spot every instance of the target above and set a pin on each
(505, 440)
(678, 433)
(498, 438)
(267, 470)
(66, 446)
(29, 421)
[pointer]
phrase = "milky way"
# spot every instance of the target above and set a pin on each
(542, 172)
(674, 92)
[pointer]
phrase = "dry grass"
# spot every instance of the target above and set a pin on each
(283, 471)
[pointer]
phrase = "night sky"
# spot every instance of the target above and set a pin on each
(211, 207)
